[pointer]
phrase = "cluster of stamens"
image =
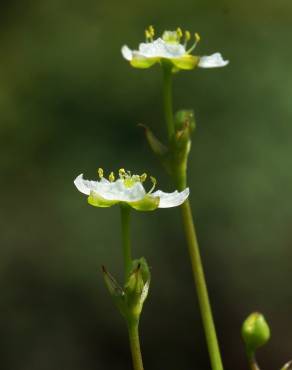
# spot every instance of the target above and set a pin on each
(128, 179)
(149, 33)
(174, 37)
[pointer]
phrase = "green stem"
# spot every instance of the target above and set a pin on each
(201, 286)
(135, 346)
(127, 254)
(252, 361)
(167, 100)
(194, 252)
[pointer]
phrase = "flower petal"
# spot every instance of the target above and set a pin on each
(174, 199)
(127, 52)
(161, 49)
(85, 186)
(212, 61)
(118, 191)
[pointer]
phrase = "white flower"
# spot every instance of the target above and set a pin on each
(169, 49)
(127, 189)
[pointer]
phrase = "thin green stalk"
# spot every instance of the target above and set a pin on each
(201, 286)
(135, 346)
(253, 365)
(127, 254)
(133, 325)
(194, 252)
(167, 100)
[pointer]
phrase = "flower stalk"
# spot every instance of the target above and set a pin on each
(180, 177)
(127, 254)
(167, 99)
(133, 329)
(201, 287)
(133, 280)
(132, 323)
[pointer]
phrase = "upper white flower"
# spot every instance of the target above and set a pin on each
(127, 189)
(168, 48)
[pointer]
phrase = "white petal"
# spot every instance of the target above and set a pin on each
(127, 52)
(174, 199)
(161, 49)
(118, 191)
(212, 61)
(85, 186)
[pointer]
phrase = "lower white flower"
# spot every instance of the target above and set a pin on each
(127, 189)
(169, 49)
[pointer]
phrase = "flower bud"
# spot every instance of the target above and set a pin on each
(255, 332)
(136, 288)
(185, 117)
(129, 299)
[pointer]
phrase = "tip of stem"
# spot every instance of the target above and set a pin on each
(142, 126)
(103, 269)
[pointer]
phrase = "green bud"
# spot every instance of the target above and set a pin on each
(129, 300)
(136, 288)
(184, 118)
(255, 332)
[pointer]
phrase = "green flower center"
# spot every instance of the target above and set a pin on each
(172, 37)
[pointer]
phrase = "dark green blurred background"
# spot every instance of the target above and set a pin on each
(69, 104)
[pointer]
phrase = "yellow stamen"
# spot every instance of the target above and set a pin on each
(153, 180)
(100, 173)
(187, 36)
(122, 172)
(111, 177)
(136, 178)
(147, 35)
(197, 39)
(151, 31)
(143, 177)
(179, 33)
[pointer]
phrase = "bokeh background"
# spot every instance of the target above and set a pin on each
(69, 104)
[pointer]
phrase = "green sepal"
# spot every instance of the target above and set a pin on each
(143, 63)
(115, 291)
(137, 287)
(158, 148)
(156, 145)
(148, 203)
(255, 332)
(185, 62)
(97, 201)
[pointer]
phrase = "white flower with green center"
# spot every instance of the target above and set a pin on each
(127, 189)
(169, 49)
